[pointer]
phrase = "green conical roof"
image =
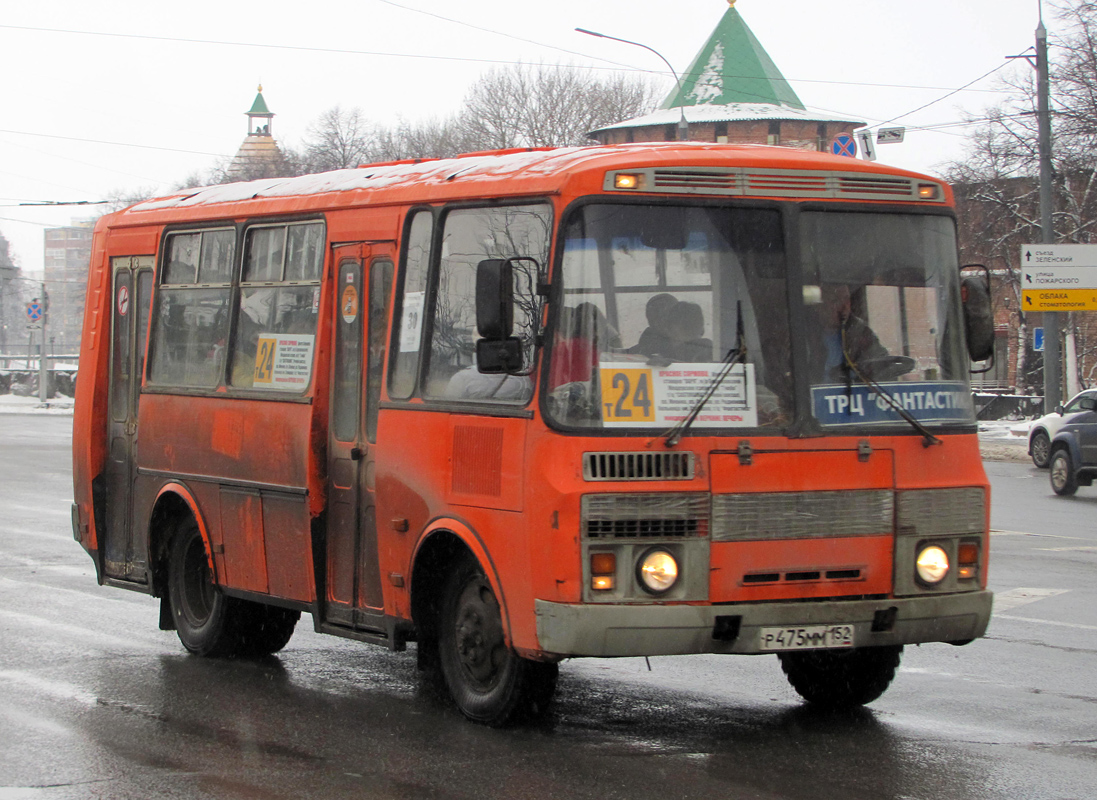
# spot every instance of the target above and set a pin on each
(732, 67)
(259, 107)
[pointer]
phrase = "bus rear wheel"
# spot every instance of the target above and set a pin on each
(263, 629)
(841, 678)
(488, 681)
(203, 615)
(208, 622)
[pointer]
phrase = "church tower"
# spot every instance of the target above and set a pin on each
(733, 93)
(259, 155)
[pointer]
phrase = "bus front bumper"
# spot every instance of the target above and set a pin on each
(651, 630)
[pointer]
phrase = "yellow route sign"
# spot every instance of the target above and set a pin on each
(1059, 299)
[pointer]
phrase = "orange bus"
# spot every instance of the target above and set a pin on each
(529, 405)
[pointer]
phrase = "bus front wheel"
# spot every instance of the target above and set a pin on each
(841, 678)
(488, 681)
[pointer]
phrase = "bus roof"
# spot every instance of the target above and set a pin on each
(492, 174)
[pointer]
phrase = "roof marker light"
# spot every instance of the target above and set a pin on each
(628, 180)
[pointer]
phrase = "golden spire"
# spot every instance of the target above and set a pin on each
(261, 85)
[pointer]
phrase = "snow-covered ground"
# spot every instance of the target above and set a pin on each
(1005, 429)
(13, 404)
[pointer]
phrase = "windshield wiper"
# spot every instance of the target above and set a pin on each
(928, 439)
(736, 355)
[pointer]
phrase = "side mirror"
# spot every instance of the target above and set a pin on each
(1059, 409)
(978, 316)
(497, 352)
(501, 356)
(494, 298)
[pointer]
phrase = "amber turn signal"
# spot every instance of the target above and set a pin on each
(603, 563)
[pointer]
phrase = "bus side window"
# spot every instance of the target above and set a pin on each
(380, 286)
(273, 344)
(409, 328)
(470, 236)
(191, 322)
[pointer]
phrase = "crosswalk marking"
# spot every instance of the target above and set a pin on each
(1005, 601)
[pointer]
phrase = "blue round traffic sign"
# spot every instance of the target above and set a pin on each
(844, 145)
(34, 311)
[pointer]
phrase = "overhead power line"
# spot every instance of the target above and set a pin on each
(428, 56)
(104, 141)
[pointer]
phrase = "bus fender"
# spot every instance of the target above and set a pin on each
(471, 540)
(184, 494)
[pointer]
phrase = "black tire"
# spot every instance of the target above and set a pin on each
(210, 623)
(1040, 448)
(841, 678)
(204, 617)
(488, 681)
(264, 629)
(1061, 472)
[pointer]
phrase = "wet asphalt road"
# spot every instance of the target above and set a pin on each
(96, 702)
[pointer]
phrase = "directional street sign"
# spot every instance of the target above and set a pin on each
(866, 144)
(1059, 277)
(890, 135)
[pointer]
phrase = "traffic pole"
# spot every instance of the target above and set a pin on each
(1052, 358)
(43, 369)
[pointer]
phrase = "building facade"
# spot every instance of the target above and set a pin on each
(67, 256)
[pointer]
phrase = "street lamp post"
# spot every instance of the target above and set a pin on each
(683, 126)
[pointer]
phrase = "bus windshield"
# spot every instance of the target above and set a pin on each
(655, 297)
(883, 319)
(659, 301)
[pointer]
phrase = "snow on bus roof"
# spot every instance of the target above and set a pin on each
(380, 176)
(500, 164)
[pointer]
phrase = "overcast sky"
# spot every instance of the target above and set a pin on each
(109, 96)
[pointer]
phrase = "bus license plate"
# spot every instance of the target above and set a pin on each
(809, 637)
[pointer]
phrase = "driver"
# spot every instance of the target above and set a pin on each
(845, 334)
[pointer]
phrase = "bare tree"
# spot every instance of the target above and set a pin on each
(548, 106)
(338, 139)
(997, 180)
(431, 138)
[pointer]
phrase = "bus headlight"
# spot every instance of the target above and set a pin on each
(932, 564)
(657, 571)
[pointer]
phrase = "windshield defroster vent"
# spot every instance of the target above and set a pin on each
(638, 466)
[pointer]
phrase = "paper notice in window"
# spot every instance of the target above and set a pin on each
(635, 396)
(283, 361)
(412, 323)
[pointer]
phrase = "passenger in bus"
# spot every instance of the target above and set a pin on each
(472, 384)
(585, 333)
(675, 331)
(686, 328)
(656, 337)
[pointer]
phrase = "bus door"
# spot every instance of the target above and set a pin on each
(353, 576)
(123, 557)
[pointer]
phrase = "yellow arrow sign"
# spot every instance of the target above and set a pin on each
(1060, 300)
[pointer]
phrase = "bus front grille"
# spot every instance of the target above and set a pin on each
(801, 515)
(645, 516)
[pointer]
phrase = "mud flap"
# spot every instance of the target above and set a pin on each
(167, 620)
